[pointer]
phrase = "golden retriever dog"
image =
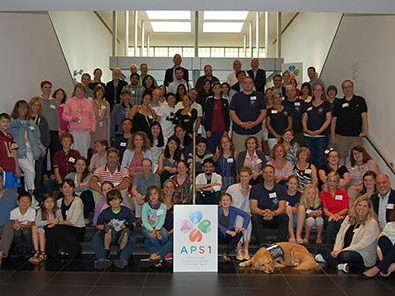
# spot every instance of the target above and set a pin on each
(280, 255)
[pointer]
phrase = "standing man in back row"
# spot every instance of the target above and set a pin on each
(247, 111)
(349, 121)
(259, 75)
(170, 74)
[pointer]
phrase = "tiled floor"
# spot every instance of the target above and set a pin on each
(77, 277)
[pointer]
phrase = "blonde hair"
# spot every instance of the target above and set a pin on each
(275, 147)
(35, 100)
(304, 200)
(353, 215)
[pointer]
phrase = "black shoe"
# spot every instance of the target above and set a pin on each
(120, 263)
(102, 264)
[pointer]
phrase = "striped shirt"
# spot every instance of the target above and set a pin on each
(103, 174)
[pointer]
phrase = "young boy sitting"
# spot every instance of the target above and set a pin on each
(22, 219)
(114, 224)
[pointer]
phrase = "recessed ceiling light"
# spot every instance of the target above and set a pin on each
(168, 14)
(171, 26)
(225, 15)
(222, 27)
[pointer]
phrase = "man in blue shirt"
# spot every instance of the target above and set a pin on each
(247, 111)
(267, 202)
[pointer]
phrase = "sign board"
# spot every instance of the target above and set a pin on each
(296, 70)
(195, 238)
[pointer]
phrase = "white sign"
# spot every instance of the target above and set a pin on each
(296, 70)
(195, 238)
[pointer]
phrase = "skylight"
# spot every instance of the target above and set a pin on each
(222, 27)
(225, 15)
(168, 14)
(171, 27)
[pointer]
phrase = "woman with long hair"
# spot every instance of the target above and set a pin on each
(27, 136)
(356, 242)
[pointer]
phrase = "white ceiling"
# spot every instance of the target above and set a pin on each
(353, 6)
(205, 39)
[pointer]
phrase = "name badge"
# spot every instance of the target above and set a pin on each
(52, 107)
(101, 124)
(308, 171)
(230, 160)
(390, 206)
(297, 104)
(31, 128)
(338, 197)
(345, 105)
(274, 111)
(253, 98)
(150, 117)
(122, 144)
(273, 195)
(258, 160)
(133, 92)
(72, 159)
(160, 212)
(308, 211)
(309, 109)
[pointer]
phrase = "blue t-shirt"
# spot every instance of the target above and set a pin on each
(293, 200)
(7, 204)
(268, 199)
(248, 108)
(125, 215)
(316, 116)
(295, 108)
(278, 120)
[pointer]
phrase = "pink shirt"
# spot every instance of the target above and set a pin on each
(83, 109)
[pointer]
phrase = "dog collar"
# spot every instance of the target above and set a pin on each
(276, 252)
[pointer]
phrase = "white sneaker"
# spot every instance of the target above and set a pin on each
(319, 258)
(343, 267)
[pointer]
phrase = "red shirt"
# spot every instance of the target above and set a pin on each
(218, 124)
(7, 144)
(65, 161)
(335, 204)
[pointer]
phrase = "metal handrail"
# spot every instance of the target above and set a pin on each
(387, 163)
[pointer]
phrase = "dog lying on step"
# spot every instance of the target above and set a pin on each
(280, 255)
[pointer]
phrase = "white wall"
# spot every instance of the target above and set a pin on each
(363, 51)
(29, 53)
(308, 39)
(86, 42)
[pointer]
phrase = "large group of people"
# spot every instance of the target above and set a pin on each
(120, 155)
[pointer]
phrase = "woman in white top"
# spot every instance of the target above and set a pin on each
(158, 143)
(240, 193)
(386, 251)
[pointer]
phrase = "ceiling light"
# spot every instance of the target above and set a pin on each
(222, 27)
(168, 14)
(225, 15)
(171, 26)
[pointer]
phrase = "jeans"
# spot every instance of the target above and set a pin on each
(152, 243)
(332, 228)
(388, 250)
(230, 241)
(317, 146)
(213, 141)
(353, 258)
(98, 247)
(280, 223)
(23, 241)
(167, 248)
(89, 203)
(6, 237)
(29, 173)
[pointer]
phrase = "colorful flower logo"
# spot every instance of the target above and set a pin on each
(195, 227)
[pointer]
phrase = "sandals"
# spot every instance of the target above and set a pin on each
(38, 257)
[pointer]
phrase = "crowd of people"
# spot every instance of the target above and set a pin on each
(119, 155)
